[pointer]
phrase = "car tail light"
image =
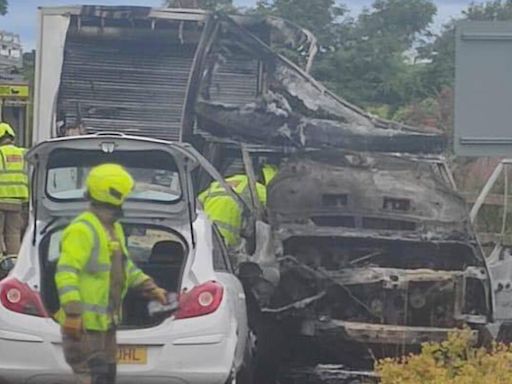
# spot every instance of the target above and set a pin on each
(18, 297)
(201, 300)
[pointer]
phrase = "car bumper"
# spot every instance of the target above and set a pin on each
(43, 362)
(181, 352)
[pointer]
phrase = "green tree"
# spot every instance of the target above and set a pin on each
(373, 65)
(402, 20)
(322, 17)
(214, 5)
(497, 10)
(440, 73)
(3, 7)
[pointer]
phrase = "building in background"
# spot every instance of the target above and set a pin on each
(14, 89)
(11, 54)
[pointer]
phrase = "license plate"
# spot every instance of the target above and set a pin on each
(132, 355)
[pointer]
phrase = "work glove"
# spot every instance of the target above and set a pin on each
(73, 327)
(160, 295)
(153, 292)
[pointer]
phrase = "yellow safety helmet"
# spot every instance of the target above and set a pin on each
(269, 172)
(110, 184)
(6, 129)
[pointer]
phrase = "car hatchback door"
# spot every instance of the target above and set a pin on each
(161, 171)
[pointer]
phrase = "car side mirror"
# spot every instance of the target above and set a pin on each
(6, 265)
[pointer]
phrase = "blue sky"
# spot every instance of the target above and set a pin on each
(22, 16)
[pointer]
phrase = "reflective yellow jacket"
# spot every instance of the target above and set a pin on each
(269, 172)
(224, 211)
(83, 271)
(13, 174)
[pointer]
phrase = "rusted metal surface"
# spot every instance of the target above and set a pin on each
(364, 255)
(358, 190)
(132, 86)
(387, 334)
(293, 109)
(145, 72)
(376, 255)
(132, 72)
(394, 278)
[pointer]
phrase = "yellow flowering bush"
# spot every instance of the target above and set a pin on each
(453, 361)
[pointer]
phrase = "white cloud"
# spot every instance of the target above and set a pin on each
(22, 16)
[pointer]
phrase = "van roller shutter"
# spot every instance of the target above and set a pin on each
(133, 86)
(235, 81)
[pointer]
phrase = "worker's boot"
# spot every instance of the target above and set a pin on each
(99, 371)
(111, 375)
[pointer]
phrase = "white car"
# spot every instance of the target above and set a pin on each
(205, 341)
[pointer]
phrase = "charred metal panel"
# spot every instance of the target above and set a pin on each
(384, 281)
(135, 86)
(282, 34)
(121, 13)
(373, 192)
(125, 71)
(272, 122)
(235, 81)
(140, 74)
(387, 334)
(375, 293)
(294, 109)
(376, 256)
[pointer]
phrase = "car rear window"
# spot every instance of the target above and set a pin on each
(155, 173)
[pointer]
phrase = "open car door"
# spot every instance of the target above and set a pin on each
(161, 170)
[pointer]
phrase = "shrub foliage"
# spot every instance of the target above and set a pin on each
(453, 361)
